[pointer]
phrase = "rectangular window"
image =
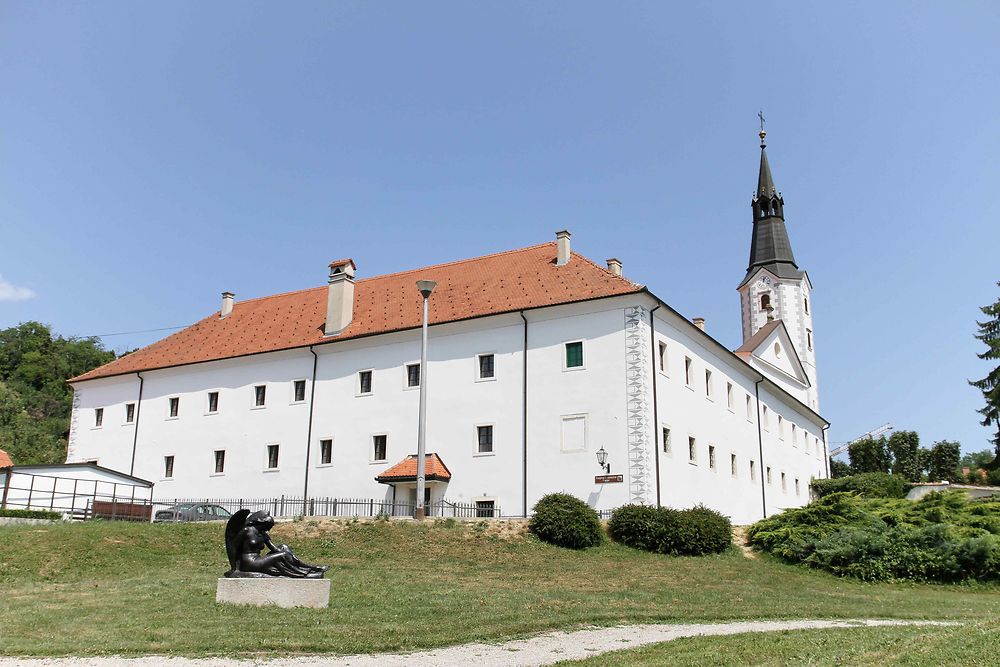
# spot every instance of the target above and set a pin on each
(574, 433)
(749, 408)
(666, 440)
(129, 413)
(711, 457)
(708, 383)
(663, 357)
(767, 476)
(574, 354)
(98, 417)
(168, 467)
(213, 401)
(365, 382)
(687, 371)
(412, 375)
(220, 461)
(259, 395)
(795, 436)
(781, 427)
(326, 451)
(805, 304)
(796, 486)
(299, 391)
(732, 465)
(484, 438)
(753, 470)
(692, 451)
(486, 368)
(809, 338)
(272, 457)
(175, 406)
(729, 395)
(784, 484)
(765, 419)
(379, 447)
(485, 509)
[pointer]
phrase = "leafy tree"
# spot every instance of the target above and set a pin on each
(943, 462)
(977, 460)
(989, 333)
(905, 449)
(839, 469)
(869, 455)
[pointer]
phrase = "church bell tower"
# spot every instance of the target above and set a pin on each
(774, 287)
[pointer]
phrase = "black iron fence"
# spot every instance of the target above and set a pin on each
(206, 509)
(76, 499)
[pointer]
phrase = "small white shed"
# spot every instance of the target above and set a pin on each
(76, 490)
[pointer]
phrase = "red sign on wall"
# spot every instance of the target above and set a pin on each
(608, 479)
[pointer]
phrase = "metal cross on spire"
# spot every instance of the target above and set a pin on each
(760, 114)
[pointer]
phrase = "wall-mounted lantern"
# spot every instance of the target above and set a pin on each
(602, 460)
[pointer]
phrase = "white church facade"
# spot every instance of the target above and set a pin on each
(538, 358)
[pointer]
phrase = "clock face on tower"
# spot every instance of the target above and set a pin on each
(764, 282)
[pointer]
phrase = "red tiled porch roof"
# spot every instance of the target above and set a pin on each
(5, 460)
(406, 470)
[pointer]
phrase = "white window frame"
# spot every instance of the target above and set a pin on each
(663, 358)
(173, 468)
(371, 383)
(729, 397)
(371, 448)
(253, 397)
(406, 376)
(795, 435)
(753, 470)
(96, 426)
(781, 428)
(305, 391)
(586, 433)
(208, 402)
(126, 422)
(476, 370)
(267, 456)
(688, 371)
(768, 477)
(784, 482)
(214, 472)
(711, 459)
(666, 444)
(319, 451)
(708, 384)
(797, 492)
(170, 399)
(583, 354)
(493, 439)
(734, 471)
(749, 408)
(692, 450)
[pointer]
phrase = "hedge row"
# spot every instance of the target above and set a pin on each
(867, 484)
(30, 514)
(691, 532)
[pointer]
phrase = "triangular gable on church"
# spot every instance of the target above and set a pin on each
(771, 349)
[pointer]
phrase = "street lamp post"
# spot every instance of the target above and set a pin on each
(425, 287)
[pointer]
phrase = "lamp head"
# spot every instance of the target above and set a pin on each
(602, 456)
(426, 287)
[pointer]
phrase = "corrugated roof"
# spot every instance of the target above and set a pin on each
(500, 283)
(406, 470)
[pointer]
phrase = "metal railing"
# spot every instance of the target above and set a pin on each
(77, 499)
(290, 506)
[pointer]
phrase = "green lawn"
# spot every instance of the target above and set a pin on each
(101, 588)
(977, 644)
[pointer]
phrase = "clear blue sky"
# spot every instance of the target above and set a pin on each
(153, 155)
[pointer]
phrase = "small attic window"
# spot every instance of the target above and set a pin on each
(777, 350)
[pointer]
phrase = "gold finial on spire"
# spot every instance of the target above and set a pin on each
(760, 114)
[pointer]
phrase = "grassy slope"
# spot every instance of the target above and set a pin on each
(136, 589)
(977, 644)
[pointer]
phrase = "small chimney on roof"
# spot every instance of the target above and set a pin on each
(227, 305)
(699, 322)
(562, 248)
(340, 297)
(615, 266)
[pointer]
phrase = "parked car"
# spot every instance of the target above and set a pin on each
(192, 512)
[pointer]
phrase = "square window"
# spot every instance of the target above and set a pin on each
(663, 357)
(687, 371)
(213, 401)
(574, 433)
(484, 436)
(168, 467)
(692, 451)
(485, 508)
(98, 417)
(711, 457)
(708, 383)
(732, 465)
(129, 413)
(272, 457)
(364, 382)
(259, 395)
(729, 395)
(326, 451)
(175, 406)
(412, 375)
(753, 470)
(220, 461)
(486, 367)
(666, 440)
(574, 354)
(299, 391)
(379, 447)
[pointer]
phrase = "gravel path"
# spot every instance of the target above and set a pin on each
(540, 650)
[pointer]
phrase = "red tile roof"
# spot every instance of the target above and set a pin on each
(5, 460)
(406, 470)
(501, 283)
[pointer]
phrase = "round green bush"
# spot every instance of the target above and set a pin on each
(566, 521)
(692, 532)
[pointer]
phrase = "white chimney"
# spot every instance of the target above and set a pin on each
(340, 297)
(615, 266)
(227, 305)
(699, 322)
(562, 248)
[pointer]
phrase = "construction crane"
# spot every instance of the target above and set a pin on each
(874, 433)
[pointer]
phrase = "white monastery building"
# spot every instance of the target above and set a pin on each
(538, 359)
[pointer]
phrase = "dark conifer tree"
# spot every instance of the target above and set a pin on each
(989, 334)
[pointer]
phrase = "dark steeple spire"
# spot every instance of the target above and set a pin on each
(770, 247)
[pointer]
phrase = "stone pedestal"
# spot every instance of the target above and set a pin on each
(277, 591)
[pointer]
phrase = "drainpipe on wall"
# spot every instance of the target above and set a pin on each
(135, 429)
(524, 417)
(656, 418)
(309, 429)
(826, 450)
(760, 449)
